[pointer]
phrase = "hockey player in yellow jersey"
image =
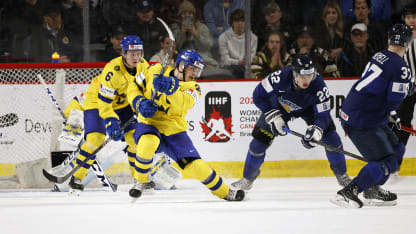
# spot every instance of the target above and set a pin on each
(162, 123)
(106, 107)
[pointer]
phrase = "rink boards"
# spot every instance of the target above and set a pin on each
(220, 126)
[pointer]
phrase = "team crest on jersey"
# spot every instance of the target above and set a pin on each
(288, 105)
(117, 68)
(217, 123)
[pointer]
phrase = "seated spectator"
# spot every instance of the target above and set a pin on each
(232, 45)
(113, 48)
(160, 56)
(272, 57)
(147, 28)
(376, 32)
(305, 44)
(74, 21)
(190, 33)
(53, 37)
(273, 22)
(380, 9)
(331, 30)
(217, 13)
(355, 55)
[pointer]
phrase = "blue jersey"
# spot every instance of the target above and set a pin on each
(382, 87)
(276, 91)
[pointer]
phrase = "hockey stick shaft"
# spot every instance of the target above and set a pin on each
(408, 130)
(169, 52)
(42, 81)
(329, 147)
(61, 179)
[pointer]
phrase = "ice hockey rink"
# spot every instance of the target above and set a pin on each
(289, 205)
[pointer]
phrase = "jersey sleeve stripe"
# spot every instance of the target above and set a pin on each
(266, 85)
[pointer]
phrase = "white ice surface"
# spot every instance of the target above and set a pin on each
(295, 205)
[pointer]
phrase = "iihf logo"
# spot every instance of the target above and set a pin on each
(217, 123)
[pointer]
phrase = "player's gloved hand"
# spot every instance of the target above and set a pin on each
(147, 108)
(313, 133)
(275, 119)
(113, 128)
(166, 84)
(395, 121)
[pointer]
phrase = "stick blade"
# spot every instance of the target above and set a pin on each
(56, 179)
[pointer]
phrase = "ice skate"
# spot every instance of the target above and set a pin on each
(343, 179)
(243, 184)
(139, 188)
(348, 197)
(75, 187)
(235, 195)
(376, 196)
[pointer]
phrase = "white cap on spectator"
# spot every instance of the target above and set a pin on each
(360, 26)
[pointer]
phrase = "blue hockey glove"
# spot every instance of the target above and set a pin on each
(395, 121)
(275, 119)
(113, 128)
(147, 108)
(313, 133)
(166, 84)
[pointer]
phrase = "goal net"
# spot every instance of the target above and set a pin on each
(30, 122)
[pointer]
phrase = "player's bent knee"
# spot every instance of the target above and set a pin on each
(257, 147)
(183, 162)
(262, 135)
(95, 139)
(128, 137)
(147, 145)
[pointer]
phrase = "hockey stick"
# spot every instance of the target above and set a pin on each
(61, 179)
(97, 169)
(42, 81)
(408, 130)
(167, 55)
(8, 120)
(329, 147)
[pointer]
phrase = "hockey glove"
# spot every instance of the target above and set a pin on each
(166, 84)
(147, 108)
(313, 133)
(113, 128)
(275, 119)
(395, 121)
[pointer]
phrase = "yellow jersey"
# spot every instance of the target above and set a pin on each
(108, 91)
(169, 119)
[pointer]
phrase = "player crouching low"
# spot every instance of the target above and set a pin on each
(162, 120)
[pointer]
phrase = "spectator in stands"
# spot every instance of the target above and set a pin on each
(305, 44)
(160, 56)
(74, 22)
(113, 48)
(232, 45)
(330, 30)
(376, 32)
(380, 9)
(273, 22)
(191, 33)
(355, 55)
(217, 14)
(272, 57)
(53, 37)
(147, 28)
(120, 12)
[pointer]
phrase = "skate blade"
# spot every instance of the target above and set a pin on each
(375, 202)
(340, 201)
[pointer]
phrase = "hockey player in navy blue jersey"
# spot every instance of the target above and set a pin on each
(365, 115)
(292, 92)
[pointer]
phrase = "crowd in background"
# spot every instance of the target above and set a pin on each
(340, 36)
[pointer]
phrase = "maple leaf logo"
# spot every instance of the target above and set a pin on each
(217, 128)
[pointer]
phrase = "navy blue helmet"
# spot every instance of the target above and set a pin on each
(302, 65)
(400, 34)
